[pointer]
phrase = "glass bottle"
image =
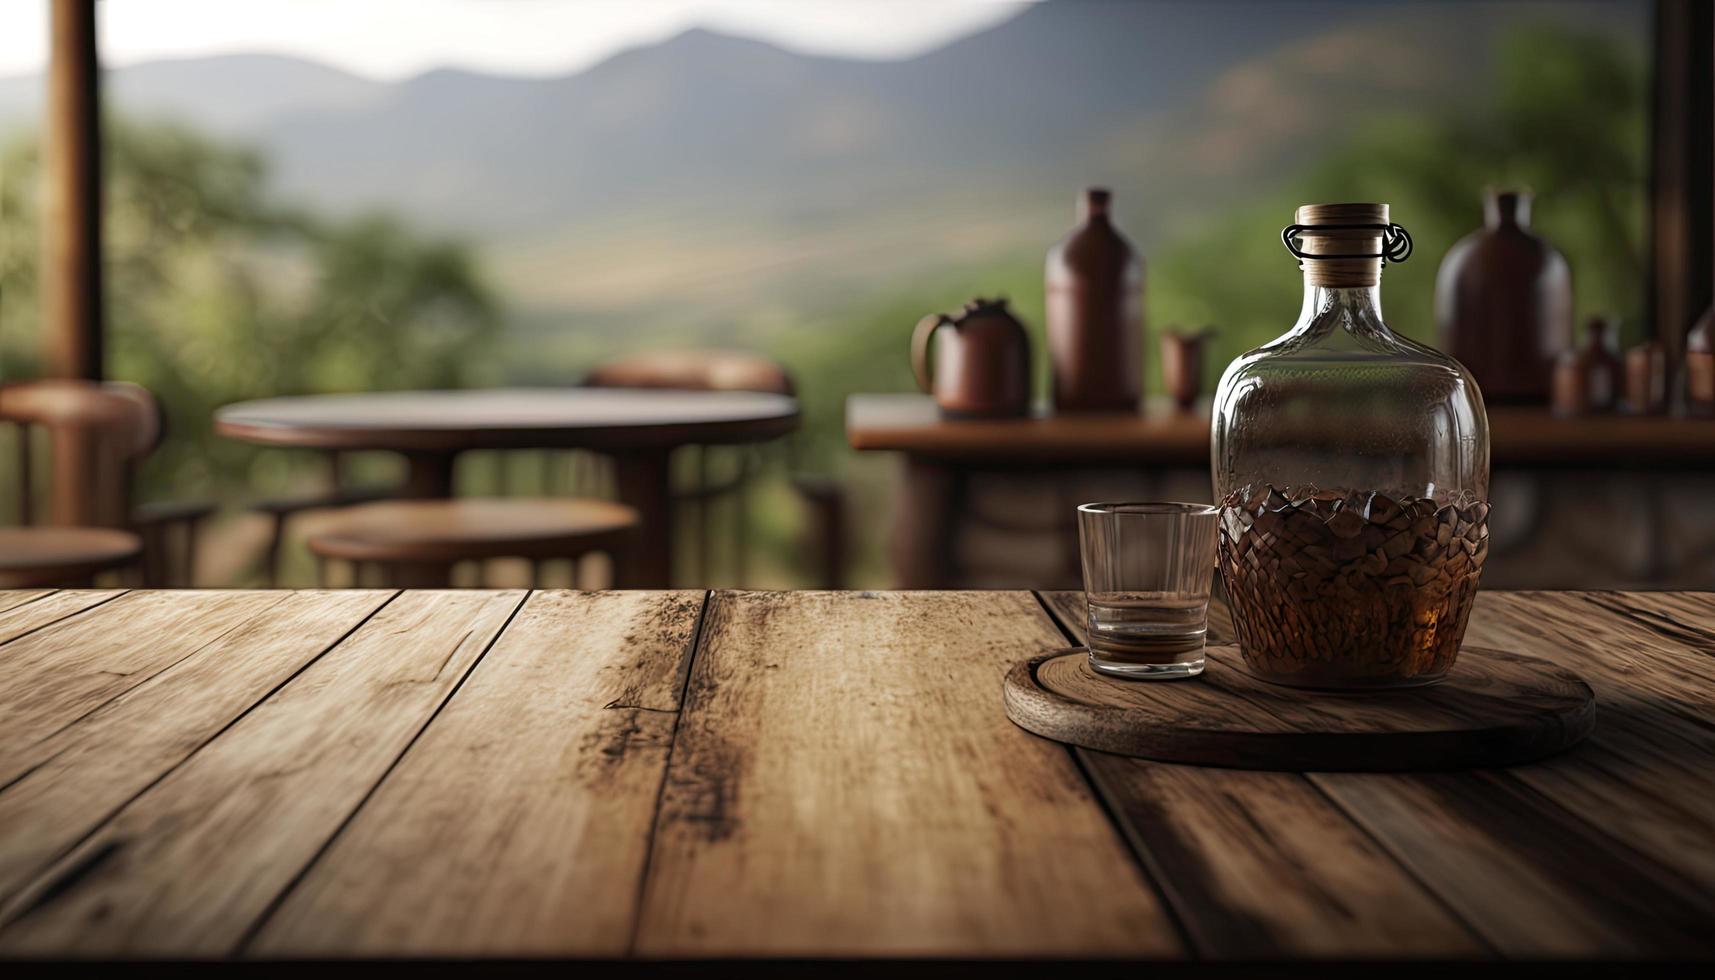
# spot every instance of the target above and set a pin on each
(1352, 469)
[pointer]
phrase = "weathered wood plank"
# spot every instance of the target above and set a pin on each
(24, 618)
(56, 675)
(1644, 777)
(562, 734)
(1525, 855)
(1534, 879)
(1685, 616)
(1260, 864)
(191, 864)
(13, 598)
(62, 787)
(844, 783)
(1532, 856)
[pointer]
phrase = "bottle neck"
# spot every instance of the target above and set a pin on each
(1508, 210)
(1357, 309)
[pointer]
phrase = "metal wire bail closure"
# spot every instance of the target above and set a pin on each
(1396, 242)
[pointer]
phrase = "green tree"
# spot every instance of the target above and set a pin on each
(1566, 117)
(217, 293)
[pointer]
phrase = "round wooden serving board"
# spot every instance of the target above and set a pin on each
(1494, 709)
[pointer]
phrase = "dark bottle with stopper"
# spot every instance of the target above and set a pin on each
(1094, 286)
(1503, 303)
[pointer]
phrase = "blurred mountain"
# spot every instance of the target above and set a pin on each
(706, 117)
(716, 168)
(237, 94)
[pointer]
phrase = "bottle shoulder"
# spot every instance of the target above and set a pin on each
(1508, 244)
(1094, 248)
(1284, 370)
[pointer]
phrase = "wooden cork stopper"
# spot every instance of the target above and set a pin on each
(1341, 241)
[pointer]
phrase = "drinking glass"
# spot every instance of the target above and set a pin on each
(1147, 572)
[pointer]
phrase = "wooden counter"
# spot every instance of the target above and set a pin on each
(1165, 437)
(741, 774)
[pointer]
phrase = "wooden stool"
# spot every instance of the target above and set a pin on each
(34, 557)
(98, 433)
(418, 541)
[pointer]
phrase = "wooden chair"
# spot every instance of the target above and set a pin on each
(732, 370)
(96, 433)
(419, 541)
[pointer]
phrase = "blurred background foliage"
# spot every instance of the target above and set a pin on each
(219, 291)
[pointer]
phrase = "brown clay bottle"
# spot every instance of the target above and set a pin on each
(1503, 303)
(1094, 285)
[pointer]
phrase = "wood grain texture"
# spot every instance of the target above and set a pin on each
(191, 775)
(843, 783)
(562, 735)
(59, 789)
(191, 864)
(1262, 865)
(1522, 855)
(1534, 879)
(51, 678)
(13, 598)
(27, 617)
(1645, 776)
(1494, 708)
(1538, 856)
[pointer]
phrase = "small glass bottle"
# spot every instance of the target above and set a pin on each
(1352, 469)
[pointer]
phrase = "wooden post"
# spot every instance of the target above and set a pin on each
(71, 229)
(1682, 180)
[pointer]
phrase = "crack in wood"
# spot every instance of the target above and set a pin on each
(67, 880)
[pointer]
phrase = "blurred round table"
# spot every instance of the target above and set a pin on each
(638, 428)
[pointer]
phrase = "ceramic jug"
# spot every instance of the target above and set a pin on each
(980, 366)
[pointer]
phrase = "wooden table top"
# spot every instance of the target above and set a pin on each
(511, 418)
(686, 774)
(1164, 436)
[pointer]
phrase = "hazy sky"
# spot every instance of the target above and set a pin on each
(393, 38)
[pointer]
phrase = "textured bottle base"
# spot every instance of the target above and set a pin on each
(1350, 589)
